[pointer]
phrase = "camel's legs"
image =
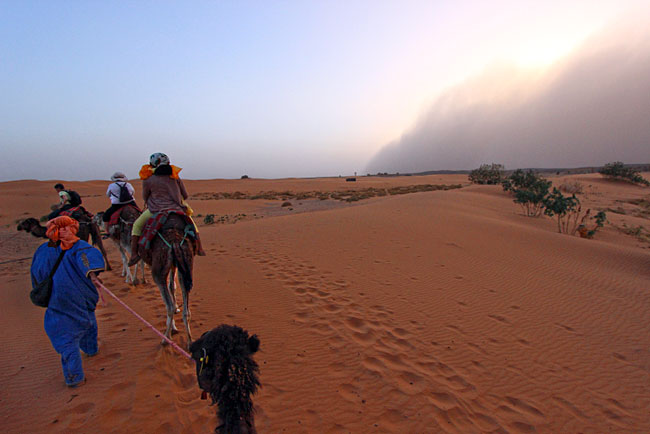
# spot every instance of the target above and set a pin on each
(169, 305)
(186, 313)
(160, 273)
(124, 267)
(172, 288)
(139, 265)
(142, 267)
(126, 271)
(172, 291)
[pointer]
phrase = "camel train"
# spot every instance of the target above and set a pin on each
(225, 368)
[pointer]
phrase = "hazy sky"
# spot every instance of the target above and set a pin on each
(310, 88)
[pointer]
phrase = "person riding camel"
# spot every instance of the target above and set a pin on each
(64, 201)
(120, 192)
(162, 190)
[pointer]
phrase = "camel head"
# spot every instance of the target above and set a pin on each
(32, 226)
(225, 370)
(27, 224)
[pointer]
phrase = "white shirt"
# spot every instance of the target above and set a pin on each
(113, 192)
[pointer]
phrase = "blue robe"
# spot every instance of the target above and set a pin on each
(70, 316)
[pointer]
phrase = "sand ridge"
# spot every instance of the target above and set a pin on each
(443, 311)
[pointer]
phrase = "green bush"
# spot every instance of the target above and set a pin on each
(487, 174)
(520, 180)
(617, 170)
(565, 208)
(599, 218)
(529, 189)
(208, 219)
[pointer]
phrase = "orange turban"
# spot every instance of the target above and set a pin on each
(147, 170)
(67, 238)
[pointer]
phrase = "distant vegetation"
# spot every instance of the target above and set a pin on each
(491, 174)
(532, 192)
(208, 219)
(617, 170)
(342, 195)
(571, 187)
(211, 219)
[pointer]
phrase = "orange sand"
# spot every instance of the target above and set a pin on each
(444, 311)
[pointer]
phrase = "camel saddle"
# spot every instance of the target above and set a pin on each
(77, 212)
(115, 217)
(156, 223)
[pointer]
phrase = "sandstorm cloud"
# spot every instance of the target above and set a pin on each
(588, 109)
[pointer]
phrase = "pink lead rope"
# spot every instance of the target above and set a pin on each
(169, 341)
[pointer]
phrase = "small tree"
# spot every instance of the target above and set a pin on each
(487, 174)
(617, 170)
(565, 208)
(529, 189)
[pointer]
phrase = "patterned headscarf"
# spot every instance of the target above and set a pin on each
(158, 159)
(68, 238)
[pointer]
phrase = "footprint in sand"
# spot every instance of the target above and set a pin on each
(619, 357)
(525, 407)
(356, 324)
(565, 327)
(571, 407)
(500, 319)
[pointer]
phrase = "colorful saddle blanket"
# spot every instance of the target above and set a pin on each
(115, 217)
(156, 222)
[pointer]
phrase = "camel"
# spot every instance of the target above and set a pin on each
(171, 249)
(225, 370)
(87, 229)
(120, 234)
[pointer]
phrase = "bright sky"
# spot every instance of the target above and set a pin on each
(266, 88)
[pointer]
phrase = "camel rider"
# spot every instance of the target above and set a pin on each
(64, 201)
(120, 192)
(162, 190)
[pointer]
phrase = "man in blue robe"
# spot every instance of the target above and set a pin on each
(70, 321)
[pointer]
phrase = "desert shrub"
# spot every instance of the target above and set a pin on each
(565, 208)
(513, 181)
(208, 219)
(532, 201)
(617, 170)
(599, 221)
(571, 187)
(287, 203)
(520, 180)
(244, 177)
(529, 189)
(487, 174)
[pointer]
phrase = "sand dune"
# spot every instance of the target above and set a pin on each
(442, 311)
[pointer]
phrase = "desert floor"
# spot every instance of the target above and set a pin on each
(435, 311)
